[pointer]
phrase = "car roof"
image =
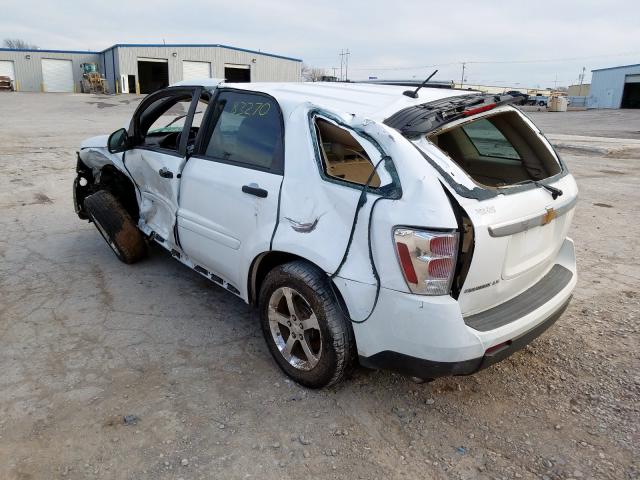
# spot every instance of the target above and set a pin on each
(374, 101)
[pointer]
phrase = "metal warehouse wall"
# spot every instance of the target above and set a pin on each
(29, 72)
(607, 86)
(123, 60)
(110, 68)
(266, 67)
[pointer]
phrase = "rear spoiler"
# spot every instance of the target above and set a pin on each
(426, 117)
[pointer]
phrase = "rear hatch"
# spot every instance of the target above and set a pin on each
(510, 183)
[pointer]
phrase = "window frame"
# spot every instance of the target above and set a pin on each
(210, 121)
(384, 190)
(135, 127)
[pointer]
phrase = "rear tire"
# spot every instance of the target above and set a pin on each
(116, 226)
(314, 344)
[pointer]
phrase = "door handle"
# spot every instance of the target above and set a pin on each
(164, 173)
(254, 189)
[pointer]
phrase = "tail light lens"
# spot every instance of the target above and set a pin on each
(427, 259)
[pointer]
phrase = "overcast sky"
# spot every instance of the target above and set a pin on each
(387, 38)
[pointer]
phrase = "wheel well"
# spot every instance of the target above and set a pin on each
(261, 266)
(267, 261)
(120, 186)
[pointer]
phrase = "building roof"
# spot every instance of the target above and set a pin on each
(198, 45)
(87, 52)
(143, 45)
(613, 68)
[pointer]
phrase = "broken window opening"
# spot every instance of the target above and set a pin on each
(166, 119)
(498, 150)
(343, 157)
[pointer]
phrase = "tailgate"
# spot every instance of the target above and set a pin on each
(513, 187)
(517, 239)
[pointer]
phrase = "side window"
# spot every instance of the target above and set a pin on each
(248, 131)
(489, 141)
(171, 119)
(343, 156)
(199, 113)
(162, 122)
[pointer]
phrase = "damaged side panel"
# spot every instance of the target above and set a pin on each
(97, 168)
(316, 216)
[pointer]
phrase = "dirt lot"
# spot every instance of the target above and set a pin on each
(86, 340)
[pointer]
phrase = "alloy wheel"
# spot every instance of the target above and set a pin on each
(294, 328)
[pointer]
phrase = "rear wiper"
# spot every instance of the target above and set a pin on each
(555, 192)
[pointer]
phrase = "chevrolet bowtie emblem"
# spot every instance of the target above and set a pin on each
(550, 215)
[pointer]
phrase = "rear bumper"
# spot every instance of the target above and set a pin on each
(422, 368)
(428, 337)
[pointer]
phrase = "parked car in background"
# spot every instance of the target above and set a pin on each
(539, 100)
(421, 232)
(520, 98)
(6, 83)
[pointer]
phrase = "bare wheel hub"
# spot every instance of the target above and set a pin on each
(294, 328)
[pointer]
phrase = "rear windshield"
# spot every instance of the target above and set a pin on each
(489, 141)
(498, 150)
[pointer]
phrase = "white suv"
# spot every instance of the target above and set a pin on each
(421, 232)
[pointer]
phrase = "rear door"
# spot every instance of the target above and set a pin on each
(517, 239)
(519, 225)
(230, 187)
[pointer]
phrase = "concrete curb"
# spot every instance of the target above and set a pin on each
(595, 145)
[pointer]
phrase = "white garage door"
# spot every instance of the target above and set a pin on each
(6, 69)
(191, 70)
(57, 75)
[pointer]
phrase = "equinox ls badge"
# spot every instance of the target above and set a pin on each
(480, 287)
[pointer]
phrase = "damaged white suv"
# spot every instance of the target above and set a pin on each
(421, 232)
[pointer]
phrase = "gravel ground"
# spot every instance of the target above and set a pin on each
(596, 123)
(148, 371)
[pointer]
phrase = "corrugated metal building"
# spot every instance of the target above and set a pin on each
(615, 87)
(578, 90)
(135, 68)
(30, 68)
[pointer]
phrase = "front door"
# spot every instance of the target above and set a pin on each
(162, 129)
(230, 187)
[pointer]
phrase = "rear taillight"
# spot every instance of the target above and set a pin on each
(427, 259)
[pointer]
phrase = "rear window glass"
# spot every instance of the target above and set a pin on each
(489, 141)
(498, 150)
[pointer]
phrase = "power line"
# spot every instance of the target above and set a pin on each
(489, 62)
(346, 69)
(344, 60)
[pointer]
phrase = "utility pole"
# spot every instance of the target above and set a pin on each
(464, 64)
(555, 83)
(581, 80)
(346, 70)
(334, 70)
(341, 61)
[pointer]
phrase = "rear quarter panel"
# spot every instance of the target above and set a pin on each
(308, 199)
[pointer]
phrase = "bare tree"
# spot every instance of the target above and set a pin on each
(312, 74)
(19, 44)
